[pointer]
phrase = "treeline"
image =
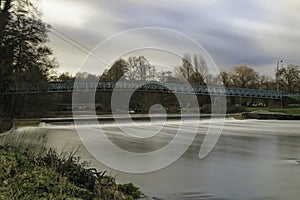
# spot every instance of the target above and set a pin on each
(195, 71)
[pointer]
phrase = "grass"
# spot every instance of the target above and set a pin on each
(292, 111)
(29, 171)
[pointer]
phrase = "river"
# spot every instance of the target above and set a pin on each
(253, 159)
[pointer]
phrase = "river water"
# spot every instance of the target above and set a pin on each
(253, 159)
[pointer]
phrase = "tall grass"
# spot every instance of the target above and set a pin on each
(31, 171)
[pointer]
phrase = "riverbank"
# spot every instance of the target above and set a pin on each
(290, 111)
(269, 114)
(29, 170)
(265, 115)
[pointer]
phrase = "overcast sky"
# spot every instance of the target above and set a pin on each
(233, 32)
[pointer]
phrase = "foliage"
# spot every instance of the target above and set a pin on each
(130, 189)
(236, 109)
(5, 124)
(244, 77)
(65, 77)
(24, 54)
(139, 68)
(31, 171)
(85, 76)
(116, 71)
(25, 175)
(195, 70)
(289, 78)
(240, 76)
(136, 68)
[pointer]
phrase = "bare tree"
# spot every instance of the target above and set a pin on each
(266, 83)
(186, 68)
(137, 68)
(289, 78)
(200, 65)
(195, 70)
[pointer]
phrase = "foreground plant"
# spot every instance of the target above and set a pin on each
(28, 175)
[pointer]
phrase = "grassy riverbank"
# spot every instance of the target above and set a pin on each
(29, 171)
(291, 111)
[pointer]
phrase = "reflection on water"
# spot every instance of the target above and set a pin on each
(252, 160)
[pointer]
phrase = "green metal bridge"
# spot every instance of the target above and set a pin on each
(90, 86)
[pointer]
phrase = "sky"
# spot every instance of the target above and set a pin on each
(233, 32)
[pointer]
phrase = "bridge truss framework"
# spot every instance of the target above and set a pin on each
(90, 86)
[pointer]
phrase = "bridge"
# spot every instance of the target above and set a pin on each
(85, 86)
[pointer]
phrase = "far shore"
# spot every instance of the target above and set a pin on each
(258, 114)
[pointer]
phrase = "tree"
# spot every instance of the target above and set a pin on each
(166, 77)
(24, 54)
(194, 71)
(244, 77)
(241, 77)
(289, 78)
(266, 83)
(66, 77)
(138, 68)
(225, 78)
(201, 67)
(85, 76)
(116, 71)
(186, 68)
(5, 16)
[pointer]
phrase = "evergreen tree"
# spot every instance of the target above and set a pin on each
(25, 57)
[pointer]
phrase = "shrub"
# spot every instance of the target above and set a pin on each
(236, 109)
(31, 172)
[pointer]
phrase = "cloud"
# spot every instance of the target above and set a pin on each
(234, 32)
(66, 13)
